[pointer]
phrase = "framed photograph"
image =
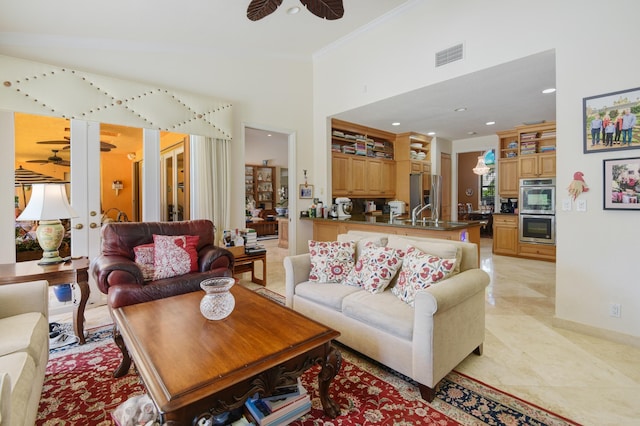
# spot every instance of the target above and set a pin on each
(622, 184)
(609, 120)
(306, 191)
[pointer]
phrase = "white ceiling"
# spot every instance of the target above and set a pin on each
(508, 94)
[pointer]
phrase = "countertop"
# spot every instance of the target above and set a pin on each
(403, 222)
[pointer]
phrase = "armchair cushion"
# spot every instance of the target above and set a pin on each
(174, 255)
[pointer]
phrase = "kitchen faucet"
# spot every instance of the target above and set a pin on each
(416, 211)
(393, 216)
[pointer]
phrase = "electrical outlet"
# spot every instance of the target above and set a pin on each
(566, 204)
(615, 310)
(581, 205)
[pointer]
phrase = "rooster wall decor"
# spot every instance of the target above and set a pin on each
(577, 185)
(325, 9)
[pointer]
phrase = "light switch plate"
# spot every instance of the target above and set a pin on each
(566, 204)
(581, 205)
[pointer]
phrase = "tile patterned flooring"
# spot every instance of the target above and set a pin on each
(589, 380)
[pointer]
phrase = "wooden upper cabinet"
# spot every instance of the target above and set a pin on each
(340, 175)
(508, 177)
(362, 161)
(539, 165)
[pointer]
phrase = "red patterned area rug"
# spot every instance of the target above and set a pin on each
(79, 389)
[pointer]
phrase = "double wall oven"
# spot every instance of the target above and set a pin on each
(537, 211)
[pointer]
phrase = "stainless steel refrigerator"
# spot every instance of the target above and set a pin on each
(426, 189)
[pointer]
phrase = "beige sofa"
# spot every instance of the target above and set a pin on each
(424, 342)
(24, 350)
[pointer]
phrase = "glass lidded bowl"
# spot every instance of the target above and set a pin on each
(217, 302)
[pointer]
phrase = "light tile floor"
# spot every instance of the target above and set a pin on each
(587, 379)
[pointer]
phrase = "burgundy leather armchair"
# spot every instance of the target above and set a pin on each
(119, 277)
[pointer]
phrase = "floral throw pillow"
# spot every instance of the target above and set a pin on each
(419, 271)
(144, 259)
(331, 261)
(375, 268)
(174, 255)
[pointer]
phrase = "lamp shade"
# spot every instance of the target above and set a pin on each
(48, 202)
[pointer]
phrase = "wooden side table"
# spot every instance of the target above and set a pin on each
(74, 272)
(246, 263)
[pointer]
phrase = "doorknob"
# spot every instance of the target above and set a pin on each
(93, 225)
(79, 226)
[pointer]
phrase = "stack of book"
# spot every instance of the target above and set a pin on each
(250, 237)
(283, 407)
(528, 147)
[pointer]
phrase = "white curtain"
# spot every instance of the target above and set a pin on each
(210, 172)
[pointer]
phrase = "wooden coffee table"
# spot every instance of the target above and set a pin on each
(191, 365)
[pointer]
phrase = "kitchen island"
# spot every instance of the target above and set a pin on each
(328, 229)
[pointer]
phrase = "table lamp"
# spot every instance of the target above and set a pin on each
(48, 204)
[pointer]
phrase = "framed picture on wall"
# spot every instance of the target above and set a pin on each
(306, 191)
(609, 120)
(622, 184)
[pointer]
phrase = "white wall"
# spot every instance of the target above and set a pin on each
(597, 251)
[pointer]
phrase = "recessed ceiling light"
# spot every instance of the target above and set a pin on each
(549, 90)
(461, 109)
(269, 134)
(395, 123)
(293, 10)
(490, 123)
(431, 133)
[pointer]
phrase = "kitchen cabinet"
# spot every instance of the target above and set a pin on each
(537, 165)
(525, 152)
(259, 186)
(508, 177)
(355, 176)
(505, 234)
(537, 251)
(362, 161)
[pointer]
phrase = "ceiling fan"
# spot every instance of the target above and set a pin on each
(325, 9)
(104, 146)
(55, 159)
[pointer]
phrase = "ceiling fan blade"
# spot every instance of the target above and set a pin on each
(38, 161)
(60, 142)
(326, 9)
(258, 9)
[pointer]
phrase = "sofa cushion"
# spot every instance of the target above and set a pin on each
(361, 241)
(28, 332)
(174, 255)
(420, 270)
(329, 294)
(22, 373)
(444, 250)
(383, 311)
(144, 259)
(375, 268)
(331, 261)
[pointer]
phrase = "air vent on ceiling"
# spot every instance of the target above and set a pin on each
(449, 55)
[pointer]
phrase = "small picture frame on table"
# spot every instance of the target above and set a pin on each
(609, 120)
(621, 184)
(306, 191)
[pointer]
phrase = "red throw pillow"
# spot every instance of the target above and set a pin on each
(174, 255)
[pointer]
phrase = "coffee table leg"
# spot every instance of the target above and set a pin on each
(125, 364)
(330, 368)
(78, 312)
